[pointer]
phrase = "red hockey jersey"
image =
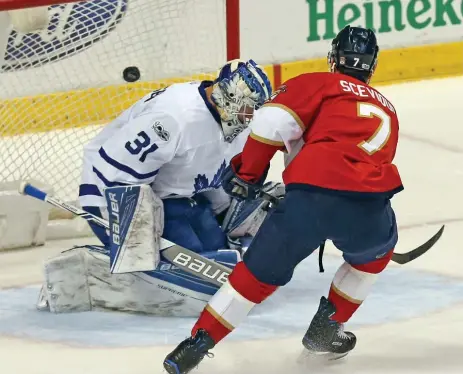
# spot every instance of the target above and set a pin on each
(340, 134)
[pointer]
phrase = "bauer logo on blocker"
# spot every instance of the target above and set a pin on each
(71, 29)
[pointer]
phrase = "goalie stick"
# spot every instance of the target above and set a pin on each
(177, 255)
(400, 258)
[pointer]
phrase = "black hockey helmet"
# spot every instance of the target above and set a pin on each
(354, 51)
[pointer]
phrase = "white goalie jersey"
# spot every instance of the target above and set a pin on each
(170, 139)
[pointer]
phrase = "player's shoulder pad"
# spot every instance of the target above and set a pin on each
(174, 108)
(184, 101)
(177, 96)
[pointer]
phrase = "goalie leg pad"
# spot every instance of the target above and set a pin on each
(66, 288)
(79, 280)
(136, 218)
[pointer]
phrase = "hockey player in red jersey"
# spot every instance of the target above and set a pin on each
(341, 137)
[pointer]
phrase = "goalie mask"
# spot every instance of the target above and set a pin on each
(240, 88)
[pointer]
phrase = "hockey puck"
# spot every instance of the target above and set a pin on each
(131, 74)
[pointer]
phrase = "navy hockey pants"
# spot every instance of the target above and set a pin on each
(187, 222)
(364, 229)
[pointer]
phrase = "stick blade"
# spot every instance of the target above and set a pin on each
(403, 258)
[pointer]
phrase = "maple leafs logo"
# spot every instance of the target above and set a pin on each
(202, 182)
(217, 180)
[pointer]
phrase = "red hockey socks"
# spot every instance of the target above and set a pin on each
(232, 303)
(352, 284)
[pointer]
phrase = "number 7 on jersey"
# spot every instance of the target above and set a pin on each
(380, 137)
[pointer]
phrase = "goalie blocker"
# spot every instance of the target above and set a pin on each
(136, 222)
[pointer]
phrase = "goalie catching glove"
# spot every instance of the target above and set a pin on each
(240, 186)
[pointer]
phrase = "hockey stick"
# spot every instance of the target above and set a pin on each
(403, 258)
(400, 258)
(179, 256)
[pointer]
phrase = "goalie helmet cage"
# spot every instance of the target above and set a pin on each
(61, 83)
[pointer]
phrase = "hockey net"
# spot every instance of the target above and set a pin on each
(60, 84)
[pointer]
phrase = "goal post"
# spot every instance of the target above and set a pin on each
(232, 10)
(92, 60)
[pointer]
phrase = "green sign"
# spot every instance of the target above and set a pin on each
(325, 20)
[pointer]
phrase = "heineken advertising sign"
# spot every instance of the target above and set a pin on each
(302, 29)
(326, 18)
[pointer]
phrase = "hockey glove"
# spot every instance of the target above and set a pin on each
(234, 185)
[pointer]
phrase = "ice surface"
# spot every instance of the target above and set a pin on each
(412, 323)
(285, 314)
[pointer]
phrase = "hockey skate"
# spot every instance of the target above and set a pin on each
(326, 337)
(189, 353)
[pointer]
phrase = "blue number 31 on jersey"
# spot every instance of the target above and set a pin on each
(141, 143)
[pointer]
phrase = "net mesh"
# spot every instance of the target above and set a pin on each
(59, 85)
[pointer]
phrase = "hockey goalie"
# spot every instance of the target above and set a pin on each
(155, 171)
